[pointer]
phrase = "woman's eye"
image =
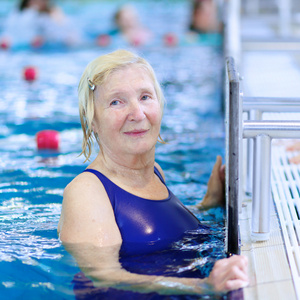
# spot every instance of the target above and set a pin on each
(145, 97)
(115, 102)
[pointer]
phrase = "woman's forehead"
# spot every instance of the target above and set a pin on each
(129, 74)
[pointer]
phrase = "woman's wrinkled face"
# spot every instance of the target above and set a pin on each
(127, 112)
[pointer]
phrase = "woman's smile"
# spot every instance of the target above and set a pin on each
(136, 133)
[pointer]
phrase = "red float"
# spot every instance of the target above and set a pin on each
(30, 73)
(4, 44)
(103, 40)
(170, 39)
(37, 42)
(47, 139)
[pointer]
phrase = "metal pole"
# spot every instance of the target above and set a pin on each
(262, 132)
(261, 188)
(233, 138)
(275, 129)
(253, 115)
(271, 104)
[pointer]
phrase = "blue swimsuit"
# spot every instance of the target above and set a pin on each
(149, 229)
(147, 224)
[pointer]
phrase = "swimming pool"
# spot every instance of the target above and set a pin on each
(33, 262)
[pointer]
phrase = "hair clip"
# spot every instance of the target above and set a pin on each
(91, 84)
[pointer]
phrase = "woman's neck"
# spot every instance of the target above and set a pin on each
(136, 169)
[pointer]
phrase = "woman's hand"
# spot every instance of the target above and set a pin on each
(215, 195)
(229, 274)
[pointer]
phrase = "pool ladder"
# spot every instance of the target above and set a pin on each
(259, 134)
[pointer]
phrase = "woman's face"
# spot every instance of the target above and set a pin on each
(127, 112)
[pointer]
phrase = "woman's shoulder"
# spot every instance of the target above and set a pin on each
(85, 209)
(84, 186)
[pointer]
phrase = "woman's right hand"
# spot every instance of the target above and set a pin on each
(229, 274)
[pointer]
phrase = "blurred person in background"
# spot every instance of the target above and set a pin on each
(38, 22)
(205, 17)
(206, 24)
(130, 27)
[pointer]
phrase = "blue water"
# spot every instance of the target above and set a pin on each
(33, 262)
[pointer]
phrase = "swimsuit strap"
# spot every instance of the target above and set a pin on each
(110, 187)
(107, 183)
(159, 175)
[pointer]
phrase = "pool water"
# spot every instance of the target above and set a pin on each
(33, 262)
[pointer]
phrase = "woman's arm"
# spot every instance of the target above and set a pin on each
(215, 195)
(101, 265)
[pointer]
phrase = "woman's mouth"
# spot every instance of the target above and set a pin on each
(136, 133)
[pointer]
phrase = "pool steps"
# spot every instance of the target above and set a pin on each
(270, 67)
(262, 239)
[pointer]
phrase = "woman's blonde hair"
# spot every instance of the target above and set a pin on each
(96, 73)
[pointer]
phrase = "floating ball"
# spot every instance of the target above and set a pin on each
(103, 40)
(137, 41)
(170, 39)
(37, 42)
(4, 45)
(30, 73)
(47, 139)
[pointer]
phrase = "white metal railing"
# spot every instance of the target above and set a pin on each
(261, 132)
(255, 107)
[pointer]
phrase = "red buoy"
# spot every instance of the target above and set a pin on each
(30, 73)
(103, 40)
(37, 42)
(170, 39)
(4, 44)
(47, 139)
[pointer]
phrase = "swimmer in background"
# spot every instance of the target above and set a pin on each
(38, 22)
(122, 198)
(205, 17)
(130, 27)
(205, 26)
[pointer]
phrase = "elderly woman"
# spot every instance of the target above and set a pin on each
(122, 197)
(130, 27)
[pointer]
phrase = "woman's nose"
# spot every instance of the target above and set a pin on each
(136, 111)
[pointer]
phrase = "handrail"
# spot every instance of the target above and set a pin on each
(271, 104)
(274, 129)
(232, 124)
(261, 132)
(255, 106)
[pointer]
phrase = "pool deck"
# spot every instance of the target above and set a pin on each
(268, 71)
